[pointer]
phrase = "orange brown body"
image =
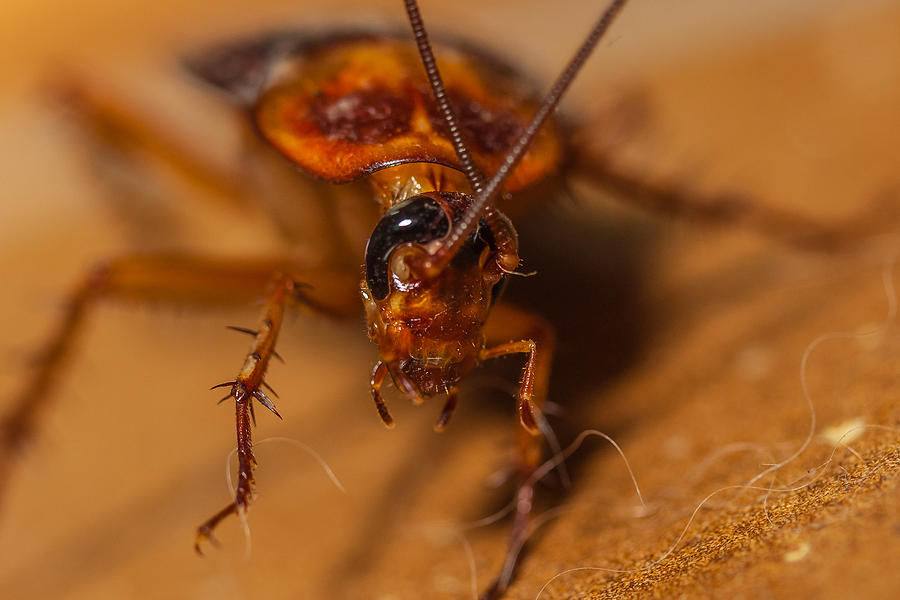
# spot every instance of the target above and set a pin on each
(342, 106)
(350, 105)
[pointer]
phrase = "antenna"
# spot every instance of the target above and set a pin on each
(473, 174)
(436, 261)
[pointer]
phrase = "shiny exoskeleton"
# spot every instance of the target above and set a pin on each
(430, 332)
(441, 147)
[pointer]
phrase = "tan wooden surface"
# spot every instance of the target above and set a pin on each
(694, 367)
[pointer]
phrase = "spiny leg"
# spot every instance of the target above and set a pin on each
(117, 128)
(537, 340)
(120, 127)
(732, 209)
(525, 398)
(171, 279)
(246, 388)
(19, 423)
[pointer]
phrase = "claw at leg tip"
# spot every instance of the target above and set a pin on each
(204, 533)
(526, 418)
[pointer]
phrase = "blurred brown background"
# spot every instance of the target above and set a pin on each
(683, 342)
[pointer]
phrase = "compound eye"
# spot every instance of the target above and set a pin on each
(419, 219)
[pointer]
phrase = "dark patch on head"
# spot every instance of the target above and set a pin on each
(489, 131)
(364, 116)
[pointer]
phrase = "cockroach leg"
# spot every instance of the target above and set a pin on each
(246, 464)
(254, 333)
(526, 387)
(731, 209)
(167, 278)
(537, 339)
(245, 389)
(447, 411)
(19, 423)
(116, 125)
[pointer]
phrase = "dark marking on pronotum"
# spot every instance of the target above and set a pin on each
(365, 116)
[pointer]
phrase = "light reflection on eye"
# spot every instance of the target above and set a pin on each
(405, 223)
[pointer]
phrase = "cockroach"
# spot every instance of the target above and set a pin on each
(445, 135)
(439, 147)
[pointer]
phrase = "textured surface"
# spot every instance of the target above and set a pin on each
(684, 344)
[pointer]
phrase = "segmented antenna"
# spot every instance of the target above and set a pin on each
(473, 174)
(470, 218)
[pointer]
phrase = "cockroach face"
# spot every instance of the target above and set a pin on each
(428, 329)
